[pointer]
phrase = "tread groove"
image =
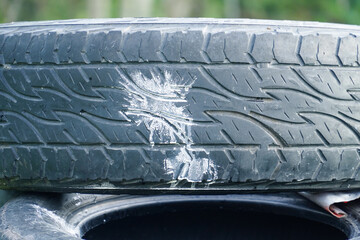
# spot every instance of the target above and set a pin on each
(163, 104)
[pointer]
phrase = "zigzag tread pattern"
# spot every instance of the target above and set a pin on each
(266, 110)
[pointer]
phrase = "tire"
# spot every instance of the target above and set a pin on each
(141, 105)
(73, 216)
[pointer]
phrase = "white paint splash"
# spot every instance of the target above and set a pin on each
(186, 166)
(161, 105)
(54, 221)
(159, 102)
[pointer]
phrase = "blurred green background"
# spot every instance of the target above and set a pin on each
(341, 11)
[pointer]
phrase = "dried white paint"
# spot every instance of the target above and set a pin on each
(186, 166)
(53, 220)
(156, 99)
(159, 102)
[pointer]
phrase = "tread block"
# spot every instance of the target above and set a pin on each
(132, 45)
(309, 49)
(150, 46)
(327, 54)
(191, 46)
(263, 49)
(236, 46)
(348, 50)
(112, 47)
(285, 47)
(216, 47)
(94, 46)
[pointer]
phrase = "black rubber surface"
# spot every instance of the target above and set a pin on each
(122, 105)
(225, 216)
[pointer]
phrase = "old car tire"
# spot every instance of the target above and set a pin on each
(138, 105)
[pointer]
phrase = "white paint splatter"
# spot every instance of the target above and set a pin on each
(54, 220)
(159, 102)
(185, 166)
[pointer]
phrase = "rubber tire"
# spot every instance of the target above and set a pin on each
(71, 216)
(139, 105)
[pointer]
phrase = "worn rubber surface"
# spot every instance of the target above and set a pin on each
(70, 216)
(136, 105)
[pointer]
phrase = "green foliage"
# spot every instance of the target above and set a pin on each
(342, 11)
